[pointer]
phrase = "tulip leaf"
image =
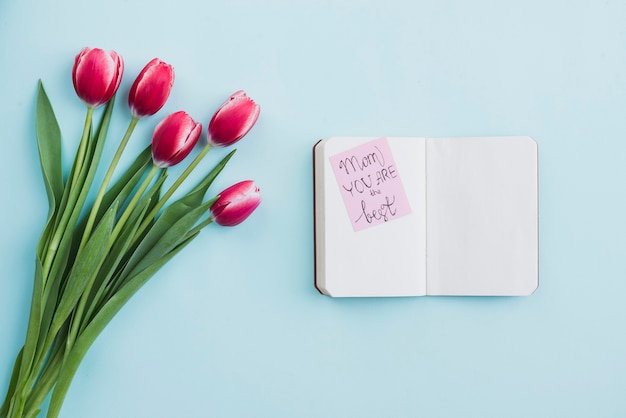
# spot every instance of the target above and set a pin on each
(174, 212)
(151, 196)
(196, 195)
(50, 300)
(35, 308)
(120, 191)
(12, 384)
(172, 237)
(113, 259)
(169, 216)
(120, 252)
(49, 143)
(70, 194)
(29, 351)
(99, 322)
(102, 318)
(127, 182)
(46, 380)
(168, 231)
(48, 136)
(201, 225)
(84, 268)
(87, 174)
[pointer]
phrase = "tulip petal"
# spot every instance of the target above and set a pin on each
(233, 120)
(236, 203)
(151, 89)
(174, 138)
(97, 75)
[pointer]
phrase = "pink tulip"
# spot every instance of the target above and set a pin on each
(233, 120)
(151, 89)
(97, 75)
(236, 203)
(174, 138)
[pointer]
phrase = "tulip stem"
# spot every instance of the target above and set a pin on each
(129, 209)
(106, 181)
(82, 148)
(171, 190)
(201, 225)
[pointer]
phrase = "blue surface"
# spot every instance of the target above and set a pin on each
(233, 326)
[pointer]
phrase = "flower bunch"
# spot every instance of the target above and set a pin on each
(92, 257)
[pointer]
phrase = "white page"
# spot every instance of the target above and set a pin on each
(482, 233)
(384, 260)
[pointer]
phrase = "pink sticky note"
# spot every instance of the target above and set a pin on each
(370, 184)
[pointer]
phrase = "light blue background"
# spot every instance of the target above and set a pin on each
(233, 326)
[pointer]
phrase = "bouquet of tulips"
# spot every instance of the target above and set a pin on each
(93, 256)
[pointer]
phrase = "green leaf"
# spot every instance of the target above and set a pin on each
(176, 211)
(50, 301)
(49, 144)
(84, 269)
(71, 191)
(29, 351)
(155, 192)
(12, 384)
(50, 157)
(174, 224)
(171, 230)
(127, 182)
(118, 252)
(119, 192)
(99, 322)
(203, 224)
(196, 195)
(170, 224)
(87, 174)
(149, 197)
(145, 204)
(47, 378)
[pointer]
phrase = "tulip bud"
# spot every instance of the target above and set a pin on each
(174, 138)
(233, 120)
(236, 203)
(151, 89)
(97, 75)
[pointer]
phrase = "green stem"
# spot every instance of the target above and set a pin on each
(82, 147)
(201, 225)
(106, 181)
(171, 191)
(133, 203)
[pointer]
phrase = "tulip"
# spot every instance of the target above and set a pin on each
(236, 203)
(174, 138)
(97, 75)
(233, 120)
(151, 89)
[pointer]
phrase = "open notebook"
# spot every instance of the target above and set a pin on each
(426, 216)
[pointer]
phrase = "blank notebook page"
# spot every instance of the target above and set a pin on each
(481, 198)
